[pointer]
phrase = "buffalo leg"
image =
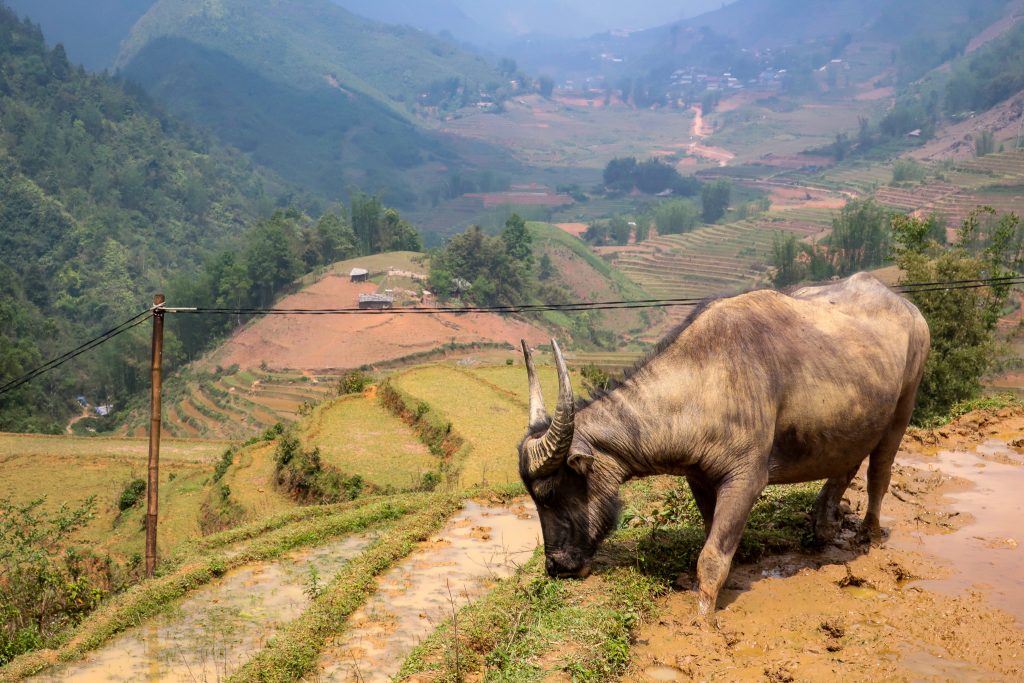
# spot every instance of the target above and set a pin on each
(880, 466)
(826, 508)
(704, 496)
(736, 497)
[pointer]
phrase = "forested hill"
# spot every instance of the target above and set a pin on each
(102, 202)
(320, 95)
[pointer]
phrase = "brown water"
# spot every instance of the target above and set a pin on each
(985, 553)
(217, 627)
(478, 546)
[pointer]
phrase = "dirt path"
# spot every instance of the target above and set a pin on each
(698, 132)
(81, 416)
(940, 598)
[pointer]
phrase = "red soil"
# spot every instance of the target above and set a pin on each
(574, 229)
(349, 341)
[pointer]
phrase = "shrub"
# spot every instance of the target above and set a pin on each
(223, 464)
(47, 584)
(131, 494)
(303, 474)
(353, 382)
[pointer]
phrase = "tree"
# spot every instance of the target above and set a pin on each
(619, 174)
(271, 257)
(715, 198)
(545, 86)
(984, 144)
(860, 236)
(676, 217)
(597, 233)
(962, 321)
(518, 240)
(620, 230)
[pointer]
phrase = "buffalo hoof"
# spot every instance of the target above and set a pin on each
(869, 533)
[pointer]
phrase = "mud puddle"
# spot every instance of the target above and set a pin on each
(478, 546)
(217, 627)
(985, 553)
(940, 599)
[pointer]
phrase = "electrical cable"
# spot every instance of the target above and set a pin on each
(134, 321)
(74, 353)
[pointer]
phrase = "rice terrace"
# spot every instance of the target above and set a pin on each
(460, 341)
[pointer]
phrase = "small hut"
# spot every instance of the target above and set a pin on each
(359, 275)
(376, 302)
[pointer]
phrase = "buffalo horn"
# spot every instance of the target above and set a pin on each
(547, 453)
(537, 412)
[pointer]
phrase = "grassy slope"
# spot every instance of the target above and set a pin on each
(71, 469)
(356, 435)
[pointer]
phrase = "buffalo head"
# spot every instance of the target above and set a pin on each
(578, 508)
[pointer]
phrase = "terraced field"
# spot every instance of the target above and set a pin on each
(950, 203)
(71, 469)
(1005, 168)
(865, 178)
(487, 406)
(612, 362)
(241, 404)
(715, 260)
(358, 436)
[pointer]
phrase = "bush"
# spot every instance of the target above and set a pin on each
(47, 583)
(303, 475)
(907, 171)
(430, 481)
(962, 321)
(131, 494)
(353, 382)
(223, 464)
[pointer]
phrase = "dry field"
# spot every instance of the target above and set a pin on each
(68, 470)
(322, 343)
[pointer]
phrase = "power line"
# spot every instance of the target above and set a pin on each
(74, 353)
(907, 288)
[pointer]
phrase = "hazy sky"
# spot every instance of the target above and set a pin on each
(641, 13)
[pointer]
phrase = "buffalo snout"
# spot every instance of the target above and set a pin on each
(559, 566)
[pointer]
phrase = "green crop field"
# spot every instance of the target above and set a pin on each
(491, 420)
(358, 436)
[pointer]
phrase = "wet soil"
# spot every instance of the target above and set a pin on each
(939, 598)
(214, 630)
(477, 547)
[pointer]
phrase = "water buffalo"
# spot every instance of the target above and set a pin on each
(761, 388)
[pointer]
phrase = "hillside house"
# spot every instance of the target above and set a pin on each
(359, 275)
(376, 302)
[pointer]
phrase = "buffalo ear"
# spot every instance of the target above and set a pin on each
(581, 461)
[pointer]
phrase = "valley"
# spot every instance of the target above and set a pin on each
(359, 212)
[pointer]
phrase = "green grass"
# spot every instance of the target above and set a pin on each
(358, 436)
(491, 421)
(530, 628)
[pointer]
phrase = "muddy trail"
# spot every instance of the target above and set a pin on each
(214, 630)
(939, 598)
(477, 547)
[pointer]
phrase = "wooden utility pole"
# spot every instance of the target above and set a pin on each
(154, 434)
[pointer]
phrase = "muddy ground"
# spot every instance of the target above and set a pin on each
(939, 598)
